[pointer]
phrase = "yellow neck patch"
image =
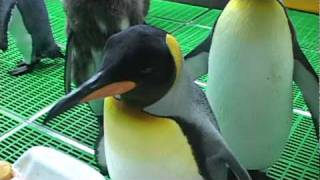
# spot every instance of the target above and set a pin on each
(134, 134)
(253, 19)
(175, 51)
(140, 146)
(261, 5)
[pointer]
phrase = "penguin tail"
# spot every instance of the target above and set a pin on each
(237, 169)
(99, 154)
(255, 174)
(204, 46)
(54, 52)
(67, 66)
(196, 62)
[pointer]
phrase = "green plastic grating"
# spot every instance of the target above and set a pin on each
(58, 20)
(24, 99)
(59, 30)
(190, 36)
(300, 159)
(175, 11)
(14, 146)
(208, 19)
(79, 124)
(307, 29)
(28, 94)
(7, 124)
(55, 9)
(167, 25)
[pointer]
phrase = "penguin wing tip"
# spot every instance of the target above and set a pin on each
(4, 47)
(48, 119)
(61, 55)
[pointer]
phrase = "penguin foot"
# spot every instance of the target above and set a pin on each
(3, 46)
(52, 53)
(255, 175)
(22, 68)
(56, 54)
(22, 63)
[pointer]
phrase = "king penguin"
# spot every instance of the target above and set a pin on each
(157, 123)
(90, 24)
(29, 25)
(254, 58)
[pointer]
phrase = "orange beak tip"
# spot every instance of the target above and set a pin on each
(113, 89)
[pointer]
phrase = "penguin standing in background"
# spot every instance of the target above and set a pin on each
(90, 24)
(253, 60)
(157, 123)
(30, 28)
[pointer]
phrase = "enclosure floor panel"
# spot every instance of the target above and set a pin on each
(300, 159)
(307, 29)
(7, 124)
(28, 94)
(175, 11)
(14, 146)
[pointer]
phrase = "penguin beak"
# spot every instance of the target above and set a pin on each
(98, 87)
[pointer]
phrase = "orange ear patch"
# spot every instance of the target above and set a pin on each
(110, 90)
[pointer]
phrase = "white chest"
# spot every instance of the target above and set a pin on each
(20, 34)
(250, 80)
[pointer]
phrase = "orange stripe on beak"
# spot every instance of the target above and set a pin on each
(110, 90)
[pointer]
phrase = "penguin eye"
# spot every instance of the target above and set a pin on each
(146, 71)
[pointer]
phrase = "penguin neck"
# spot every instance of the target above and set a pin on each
(262, 4)
(254, 18)
(254, 5)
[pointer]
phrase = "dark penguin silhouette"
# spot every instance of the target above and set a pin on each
(29, 26)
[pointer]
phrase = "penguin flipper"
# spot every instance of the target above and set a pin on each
(307, 79)
(196, 62)
(6, 7)
(221, 159)
(254, 174)
(68, 66)
(187, 104)
(213, 156)
(232, 163)
(100, 155)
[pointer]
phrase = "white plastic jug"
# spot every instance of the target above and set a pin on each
(40, 163)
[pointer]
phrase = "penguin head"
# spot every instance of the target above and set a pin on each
(140, 66)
